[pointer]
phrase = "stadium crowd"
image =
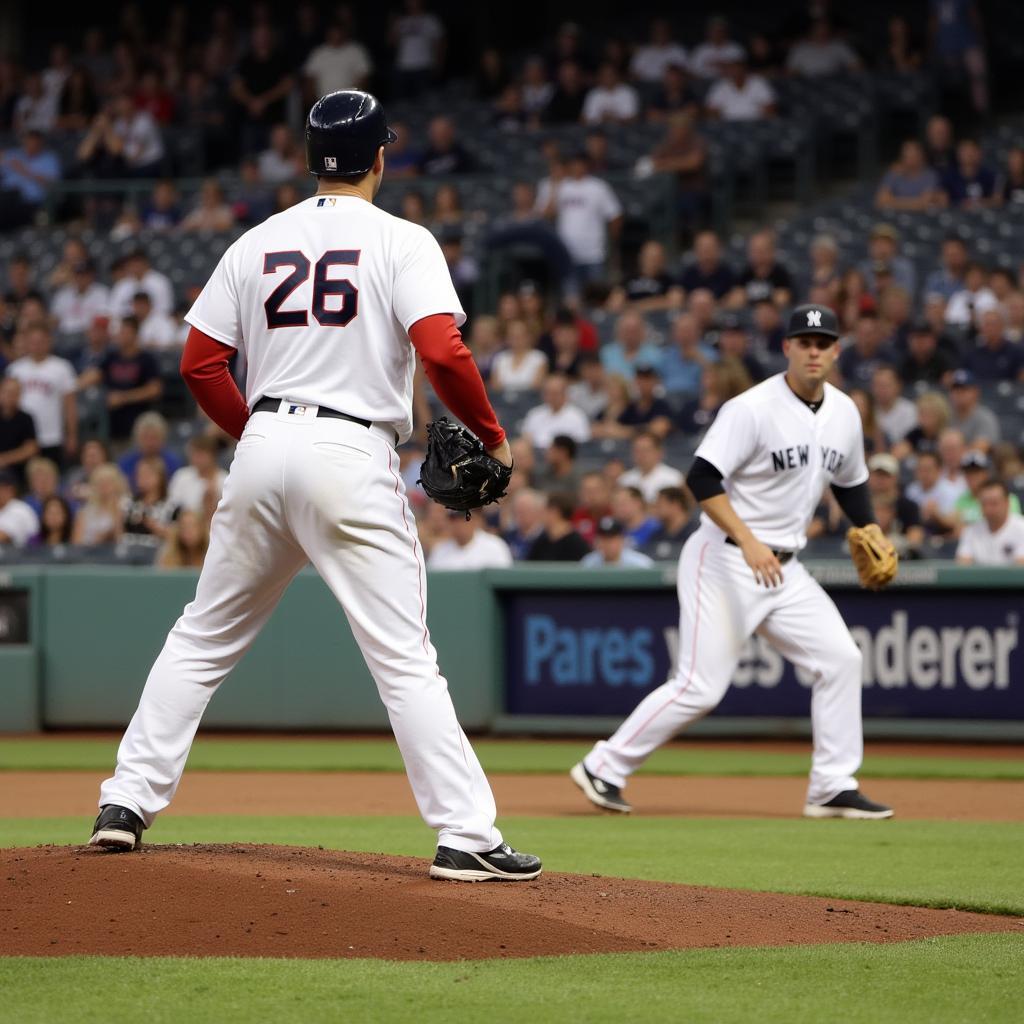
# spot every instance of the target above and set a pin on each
(608, 374)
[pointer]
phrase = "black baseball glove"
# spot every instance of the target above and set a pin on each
(457, 472)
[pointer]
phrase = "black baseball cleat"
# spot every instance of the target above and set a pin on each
(597, 791)
(117, 829)
(850, 804)
(502, 864)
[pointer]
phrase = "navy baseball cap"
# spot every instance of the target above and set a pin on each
(729, 320)
(609, 527)
(812, 319)
(975, 460)
(962, 379)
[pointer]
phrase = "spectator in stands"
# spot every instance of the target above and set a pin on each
(47, 394)
(447, 206)
(764, 277)
(610, 549)
(997, 538)
(76, 480)
(1003, 283)
(970, 184)
(611, 100)
(100, 521)
(18, 523)
(18, 442)
(95, 350)
(884, 260)
(55, 523)
(683, 361)
(884, 484)
(995, 357)
(618, 397)
(122, 141)
(586, 212)
(521, 366)
(955, 35)
(708, 269)
(403, 158)
(561, 345)
(701, 305)
(902, 54)
(260, 86)
(825, 270)
(556, 415)
(633, 346)
(149, 441)
(43, 481)
(933, 415)
(77, 304)
(630, 509)
(952, 452)
(672, 510)
(821, 53)
(154, 98)
(874, 439)
(469, 548)
(34, 110)
(710, 58)
(858, 362)
(418, 37)
(148, 516)
(528, 507)
(935, 496)
(767, 333)
(187, 542)
(594, 497)
(977, 470)
(339, 62)
(537, 90)
(683, 152)
(140, 276)
(202, 108)
(652, 287)
(558, 542)
(977, 423)
(1008, 460)
(1013, 180)
(719, 382)
(589, 393)
(281, 160)
(414, 208)
(897, 415)
(444, 153)
(508, 113)
(910, 184)
(661, 52)
(212, 212)
(130, 378)
(595, 145)
(156, 332)
(162, 211)
(649, 472)
(26, 173)
(948, 279)
(938, 141)
(966, 306)
(560, 473)
(675, 95)
(1014, 309)
(734, 343)
(739, 95)
(647, 411)
(566, 106)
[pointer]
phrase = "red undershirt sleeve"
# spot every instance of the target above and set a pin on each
(454, 376)
(204, 366)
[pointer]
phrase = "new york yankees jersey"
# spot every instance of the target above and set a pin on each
(321, 298)
(777, 457)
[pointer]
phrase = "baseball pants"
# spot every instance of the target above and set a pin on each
(721, 605)
(327, 491)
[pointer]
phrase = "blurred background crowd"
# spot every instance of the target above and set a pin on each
(628, 211)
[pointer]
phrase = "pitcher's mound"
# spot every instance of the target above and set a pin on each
(242, 900)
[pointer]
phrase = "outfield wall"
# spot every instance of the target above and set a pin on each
(535, 649)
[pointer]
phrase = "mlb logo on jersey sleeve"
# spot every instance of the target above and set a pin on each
(330, 163)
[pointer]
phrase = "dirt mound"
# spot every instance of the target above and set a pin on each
(243, 900)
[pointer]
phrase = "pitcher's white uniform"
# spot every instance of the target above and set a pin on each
(777, 457)
(320, 297)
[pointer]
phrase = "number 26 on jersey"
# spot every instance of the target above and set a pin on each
(323, 288)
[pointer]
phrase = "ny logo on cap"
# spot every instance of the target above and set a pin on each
(814, 318)
(331, 163)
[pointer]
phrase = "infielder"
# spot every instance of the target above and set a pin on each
(324, 299)
(759, 474)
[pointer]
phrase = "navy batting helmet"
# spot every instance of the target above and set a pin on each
(344, 130)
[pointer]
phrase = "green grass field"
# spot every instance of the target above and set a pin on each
(967, 865)
(315, 754)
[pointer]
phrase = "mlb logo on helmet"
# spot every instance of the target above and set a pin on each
(330, 163)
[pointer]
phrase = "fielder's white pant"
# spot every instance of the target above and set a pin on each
(329, 491)
(720, 606)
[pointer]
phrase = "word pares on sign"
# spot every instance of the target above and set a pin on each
(612, 655)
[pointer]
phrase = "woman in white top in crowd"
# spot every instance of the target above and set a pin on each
(521, 366)
(101, 519)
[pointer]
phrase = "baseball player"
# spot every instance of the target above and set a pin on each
(759, 474)
(324, 299)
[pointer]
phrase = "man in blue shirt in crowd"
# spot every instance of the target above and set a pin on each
(26, 172)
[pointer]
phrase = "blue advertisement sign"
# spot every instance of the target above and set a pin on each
(927, 654)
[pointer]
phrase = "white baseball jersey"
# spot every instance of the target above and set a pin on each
(1003, 547)
(43, 387)
(321, 298)
(777, 457)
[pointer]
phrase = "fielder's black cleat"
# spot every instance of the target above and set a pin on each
(599, 792)
(851, 803)
(502, 864)
(117, 829)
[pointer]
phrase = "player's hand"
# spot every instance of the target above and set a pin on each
(763, 563)
(502, 453)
